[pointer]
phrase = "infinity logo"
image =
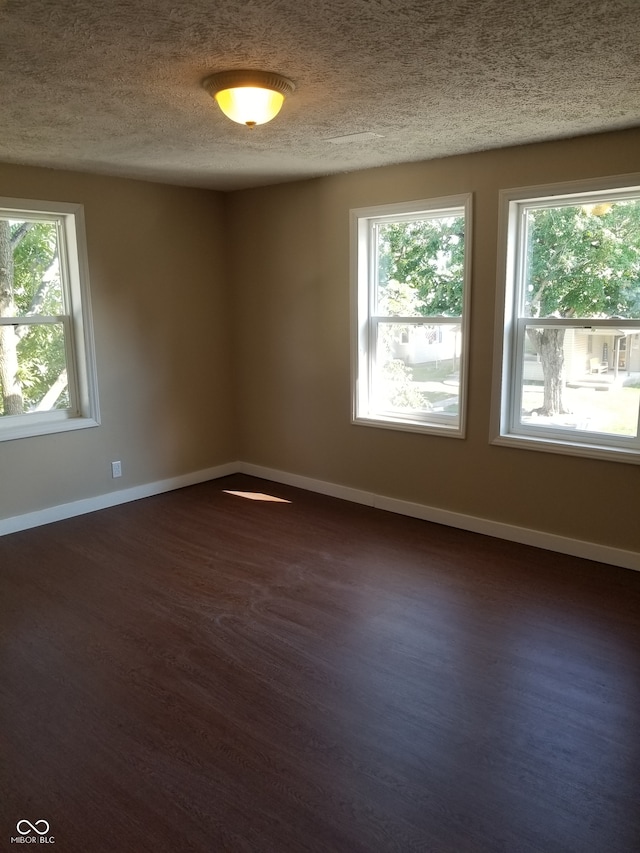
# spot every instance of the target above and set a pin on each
(32, 827)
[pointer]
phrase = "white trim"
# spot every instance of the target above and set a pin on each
(612, 185)
(365, 317)
(84, 344)
(506, 427)
(434, 427)
(322, 487)
(84, 409)
(146, 490)
(550, 444)
(485, 526)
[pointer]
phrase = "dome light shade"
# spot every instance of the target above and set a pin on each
(249, 97)
(249, 105)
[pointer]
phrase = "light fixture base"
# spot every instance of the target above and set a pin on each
(248, 97)
(240, 78)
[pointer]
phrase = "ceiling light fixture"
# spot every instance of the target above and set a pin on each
(249, 97)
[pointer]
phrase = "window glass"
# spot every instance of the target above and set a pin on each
(571, 352)
(421, 267)
(412, 267)
(47, 371)
(582, 260)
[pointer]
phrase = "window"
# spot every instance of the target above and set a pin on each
(47, 370)
(569, 356)
(411, 293)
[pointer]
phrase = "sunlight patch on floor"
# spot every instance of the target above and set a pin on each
(256, 496)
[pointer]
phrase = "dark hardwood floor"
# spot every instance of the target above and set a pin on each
(203, 672)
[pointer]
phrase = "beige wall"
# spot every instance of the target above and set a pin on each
(290, 245)
(161, 321)
(222, 333)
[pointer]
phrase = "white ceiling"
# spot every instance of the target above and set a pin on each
(114, 87)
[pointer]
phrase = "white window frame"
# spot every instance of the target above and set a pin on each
(506, 426)
(365, 321)
(84, 408)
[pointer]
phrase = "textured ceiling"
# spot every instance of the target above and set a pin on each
(114, 87)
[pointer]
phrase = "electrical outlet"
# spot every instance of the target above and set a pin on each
(116, 469)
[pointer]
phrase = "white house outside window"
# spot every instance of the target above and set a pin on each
(47, 370)
(569, 354)
(411, 293)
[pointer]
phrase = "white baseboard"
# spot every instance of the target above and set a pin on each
(69, 510)
(510, 532)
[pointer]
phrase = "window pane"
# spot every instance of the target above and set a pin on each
(47, 361)
(583, 260)
(30, 252)
(36, 376)
(420, 267)
(564, 386)
(411, 283)
(417, 369)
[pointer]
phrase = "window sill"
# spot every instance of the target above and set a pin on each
(44, 426)
(408, 425)
(583, 449)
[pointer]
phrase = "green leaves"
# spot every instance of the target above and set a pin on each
(36, 282)
(420, 267)
(584, 261)
(33, 355)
